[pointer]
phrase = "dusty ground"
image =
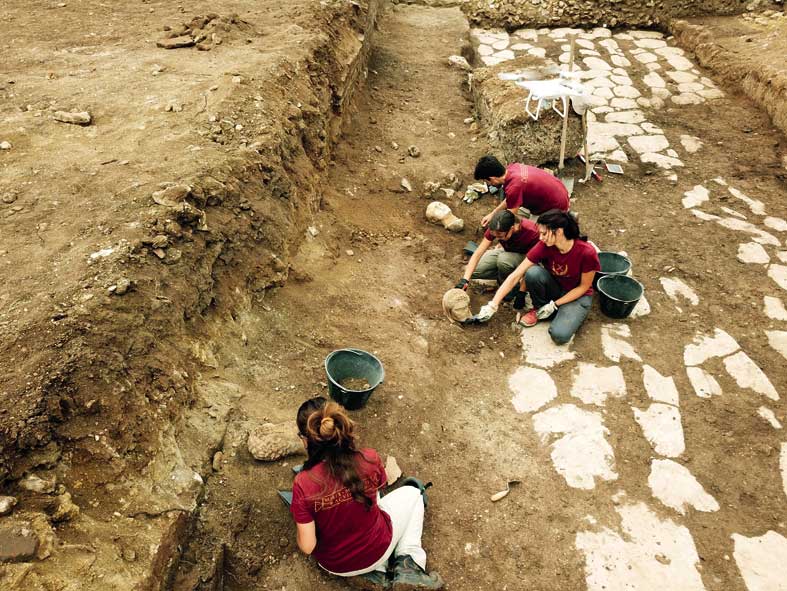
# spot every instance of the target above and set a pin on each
(445, 409)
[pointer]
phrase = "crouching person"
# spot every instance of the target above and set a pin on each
(339, 516)
(516, 238)
(561, 287)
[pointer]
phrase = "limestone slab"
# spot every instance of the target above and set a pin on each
(681, 77)
(748, 375)
(679, 63)
(705, 347)
(662, 427)
(761, 560)
(614, 344)
(687, 98)
(755, 205)
(770, 416)
(777, 339)
(696, 196)
(759, 234)
(645, 553)
(690, 143)
(774, 223)
(648, 143)
(646, 57)
(660, 388)
(706, 217)
(690, 87)
(594, 384)
(540, 350)
(645, 34)
(779, 274)
(774, 308)
(676, 487)
(710, 94)
(532, 389)
(783, 467)
(582, 454)
(538, 52)
(753, 253)
(643, 306)
(676, 288)
(596, 63)
(620, 61)
(652, 79)
(704, 384)
(626, 117)
(623, 103)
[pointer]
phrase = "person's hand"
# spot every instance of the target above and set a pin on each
(485, 220)
(546, 310)
(463, 283)
(519, 300)
(486, 312)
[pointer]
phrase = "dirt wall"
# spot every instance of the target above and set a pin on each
(512, 14)
(765, 84)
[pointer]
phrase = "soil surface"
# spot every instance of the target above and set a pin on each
(370, 274)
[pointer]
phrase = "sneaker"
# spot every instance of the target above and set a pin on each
(372, 581)
(529, 318)
(408, 576)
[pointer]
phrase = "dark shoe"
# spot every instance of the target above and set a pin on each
(373, 581)
(408, 576)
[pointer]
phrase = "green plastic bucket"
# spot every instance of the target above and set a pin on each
(344, 364)
(618, 295)
(612, 263)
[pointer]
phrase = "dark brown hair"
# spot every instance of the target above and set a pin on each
(555, 218)
(329, 436)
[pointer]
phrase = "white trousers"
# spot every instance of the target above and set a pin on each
(406, 509)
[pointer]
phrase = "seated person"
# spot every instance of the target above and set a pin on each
(339, 516)
(523, 186)
(561, 289)
(516, 238)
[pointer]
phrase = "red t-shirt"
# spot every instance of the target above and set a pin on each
(533, 188)
(349, 537)
(522, 240)
(567, 268)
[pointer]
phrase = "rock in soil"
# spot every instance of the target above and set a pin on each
(5, 145)
(176, 42)
(270, 442)
(35, 484)
(64, 509)
(413, 151)
(7, 505)
(77, 118)
(18, 543)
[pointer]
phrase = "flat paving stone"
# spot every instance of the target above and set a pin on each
(752, 253)
(662, 427)
(748, 375)
(704, 384)
(648, 143)
(533, 388)
(676, 487)
(761, 560)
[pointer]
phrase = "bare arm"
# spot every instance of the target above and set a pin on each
(473, 262)
(511, 281)
(574, 294)
(500, 206)
(306, 537)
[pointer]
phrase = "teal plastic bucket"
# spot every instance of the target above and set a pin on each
(612, 263)
(618, 295)
(345, 364)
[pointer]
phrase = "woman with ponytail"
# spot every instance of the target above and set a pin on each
(562, 288)
(339, 516)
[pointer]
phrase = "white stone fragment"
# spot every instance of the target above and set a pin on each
(662, 428)
(748, 375)
(720, 181)
(687, 98)
(596, 63)
(603, 92)
(774, 308)
(653, 67)
(643, 34)
(676, 487)
(777, 224)
(490, 60)
(600, 82)
(502, 44)
(521, 46)
(757, 207)
(585, 44)
(485, 50)
(626, 117)
(707, 217)
(642, 556)
(674, 288)
(695, 196)
(582, 454)
(538, 52)
(770, 416)
(665, 51)
(731, 211)
(681, 77)
(620, 61)
(532, 389)
(690, 143)
(621, 80)
(704, 384)
(594, 384)
(753, 253)
(761, 559)
(614, 346)
(659, 387)
(646, 57)
(641, 309)
(652, 129)
(690, 87)
(779, 274)
(623, 103)
(777, 339)
(783, 467)
(654, 80)
(540, 350)
(618, 156)
(705, 347)
(650, 43)
(782, 255)
(760, 235)
(648, 143)
(505, 55)
(679, 63)
(710, 94)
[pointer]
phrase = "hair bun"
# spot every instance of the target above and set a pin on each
(327, 428)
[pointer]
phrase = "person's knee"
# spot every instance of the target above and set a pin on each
(560, 335)
(535, 274)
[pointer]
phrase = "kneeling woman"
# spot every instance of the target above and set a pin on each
(339, 516)
(562, 288)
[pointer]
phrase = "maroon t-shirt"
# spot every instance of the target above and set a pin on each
(349, 537)
(567, 268)
(522, 240)
(533, 188)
